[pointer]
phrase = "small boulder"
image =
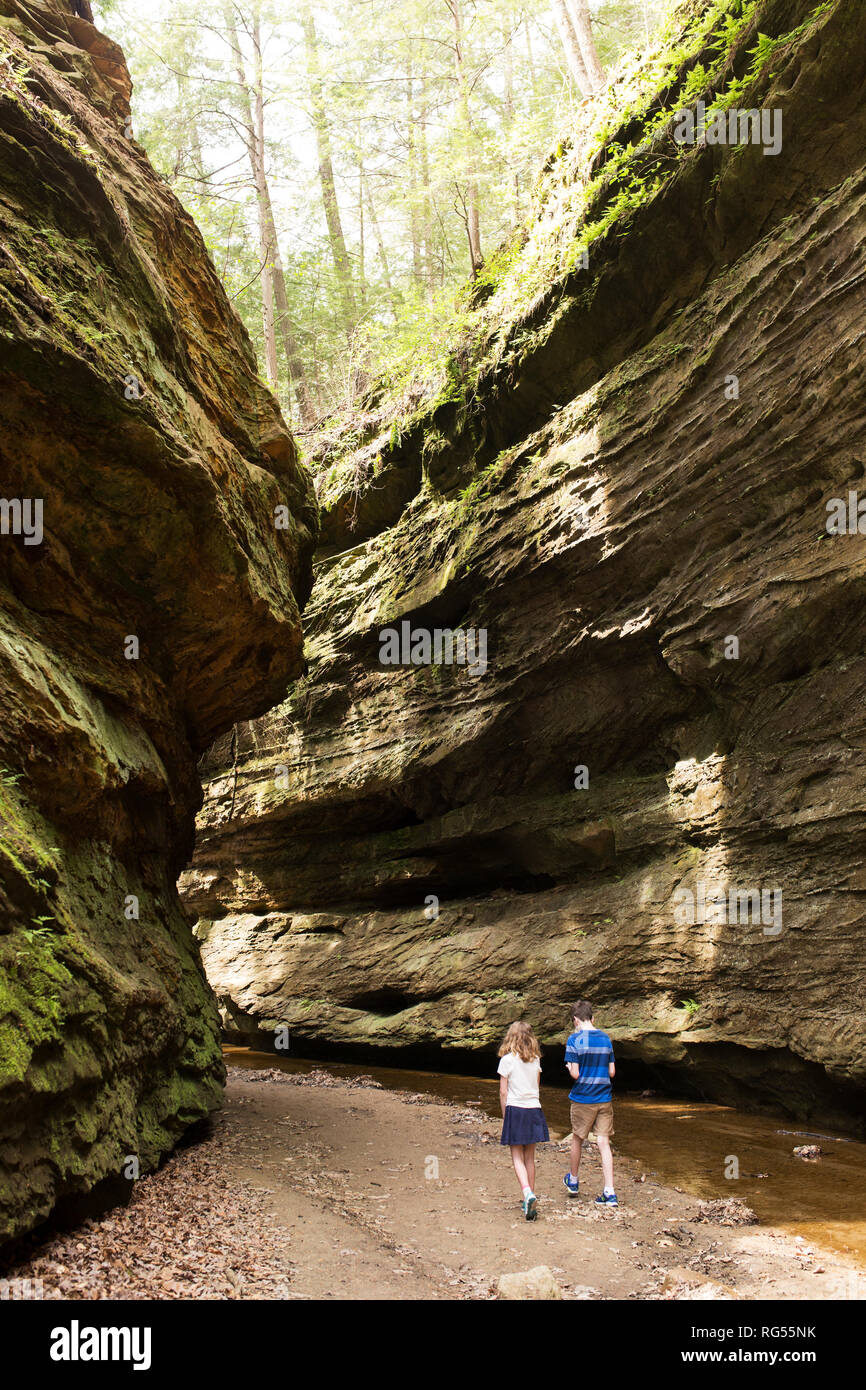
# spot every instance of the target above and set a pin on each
(809, 1151)
(537, 1283)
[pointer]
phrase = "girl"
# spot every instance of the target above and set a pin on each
(524, 1124)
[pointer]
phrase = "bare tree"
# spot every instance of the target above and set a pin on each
(582, 21)
(509, 28)
(321, 127)
(469, 198)
(251, 97)
(380, 244)
(573, 55)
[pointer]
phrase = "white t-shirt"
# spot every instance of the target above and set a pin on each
(523, 1079)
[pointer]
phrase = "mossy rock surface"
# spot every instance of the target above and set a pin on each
(132, 411)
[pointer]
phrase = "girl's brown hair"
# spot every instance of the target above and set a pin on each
(521, 1039)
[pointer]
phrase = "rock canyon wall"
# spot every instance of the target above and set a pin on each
(148, 601)
(620, 475)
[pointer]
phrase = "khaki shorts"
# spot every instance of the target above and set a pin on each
(598, 1118)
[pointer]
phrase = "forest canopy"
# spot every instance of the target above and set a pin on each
(353, 167)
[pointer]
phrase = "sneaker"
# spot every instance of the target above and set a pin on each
(572, 1184)
(530, 1207)
(607, 1199)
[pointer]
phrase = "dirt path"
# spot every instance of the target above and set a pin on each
(350, 1171)
(310, 1187)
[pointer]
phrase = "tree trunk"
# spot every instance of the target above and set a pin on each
(266, 244)
(533, 82)
(508, 82)
(291, 347)
(473, 221)
(272, 275)
(582, 21)
(573, 57)
(380, 244)
(424, 171)
(327, 182)
(362, 268)
(414, 230)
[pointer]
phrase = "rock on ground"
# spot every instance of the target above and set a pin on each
(537, 1283)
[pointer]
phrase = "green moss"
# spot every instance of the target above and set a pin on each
(23, 835)
(33, 982)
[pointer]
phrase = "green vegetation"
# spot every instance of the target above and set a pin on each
(618, 158)
(401, 147)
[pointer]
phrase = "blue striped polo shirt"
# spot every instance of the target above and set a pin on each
(592, 1050)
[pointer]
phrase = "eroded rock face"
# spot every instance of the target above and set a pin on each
(141, 463)
(604, 503)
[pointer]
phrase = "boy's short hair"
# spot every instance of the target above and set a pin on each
(582, 1010)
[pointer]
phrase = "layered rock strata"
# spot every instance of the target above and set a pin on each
(623, 479)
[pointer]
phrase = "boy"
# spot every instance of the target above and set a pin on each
(590, 1063)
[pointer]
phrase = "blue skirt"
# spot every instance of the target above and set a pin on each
(524, 1126)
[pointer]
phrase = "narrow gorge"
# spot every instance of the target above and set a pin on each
(623, 465)
(233, 801)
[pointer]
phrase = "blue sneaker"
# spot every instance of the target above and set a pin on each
(572, 1184)
(530, 1207)
(607, 1199)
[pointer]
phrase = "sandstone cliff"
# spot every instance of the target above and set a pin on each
(141, 462)
(623, 465)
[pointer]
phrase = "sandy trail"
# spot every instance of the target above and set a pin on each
(312, 1187)
(350, 1171)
